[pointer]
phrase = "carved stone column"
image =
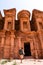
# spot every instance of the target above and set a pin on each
(37, 25)
(21, 25)
(35, 45)
(41, 41)
(12, 46)
(3, 39)
(13, 23)
(35, 49)
(19, 42)
(32, 47)
(5, 24)
(2, 47)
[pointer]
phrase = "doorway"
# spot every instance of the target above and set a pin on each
(27, 49)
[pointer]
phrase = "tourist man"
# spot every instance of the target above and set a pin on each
(21, 53)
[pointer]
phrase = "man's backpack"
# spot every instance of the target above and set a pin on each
(20, 52)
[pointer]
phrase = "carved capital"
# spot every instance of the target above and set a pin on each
(23, 14)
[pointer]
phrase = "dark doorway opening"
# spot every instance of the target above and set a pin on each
(27, 49)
